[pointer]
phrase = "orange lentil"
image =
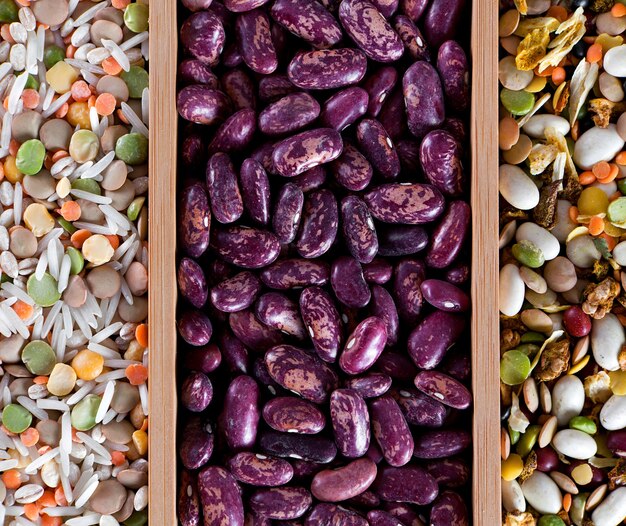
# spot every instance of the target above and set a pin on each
(618, 10)
(620, 158)
(5, 33)
(558, 12)
(141, 334)
(558, 75)
(24, 3)
(601, 169)
(47, 500)
(105, 104)
(80, 91)
(1, 171)
(610, 240)
(14, 146)
(75, 437)
(30, 437)
(91, 101)
(586, 178)
(70, 210)
(5, 103)
(596, 226)
(30, 98)
(111, 66)
(47, 520)
(144, 425)
(31, 510)
(79, 237)
(120, 4)
(59, 497)
(22, 309)
(117, 458)
(594, 53)
(12, 479)
(62, 111)
(567, 502)
(545, 73)
(70, 51)
(615, 196)
(114, 240)
(60, 154)
(122, 117)
(40, 380)
(573, 213)
(137, 374)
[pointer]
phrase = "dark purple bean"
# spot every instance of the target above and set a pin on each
(409, 154)
(367, 499)
(254, 40)
(279, 312)
(192, 150)
(221, 179)
(440, 157)
(312, 448)
(301, 372)
(263, 155)
(304, 151)
(386, 7)
(234, 352)
(454, 70)
(204, 359)
(382, 518)
(616, 442)
(404, 512)
(410, 484)
(411, 37)
(344, 108)
(364, 346)
(194, 71)
(202, 35)
(419, 409)
(445, 296)
(308, 20)
(192, 283)
(238, 85)
(312, 179)
(349, 285)
(195, 220)
(351, 422)
(274, 87)
(358, 229)
(374, 453)
(458, 274)
(456, 127)
(409, 275)
(431, 339)
(188, 502)
(235, 133)
(197, 5)
(352, 170)
(255, 520)
(405, 203)
(320, 221)
(393, 115)
(401, 240)
(255, 190)
(345, 482)
(414, 9)
(457, 364)
(383, 307)
(332, 515)
(378, 148)
(322, 322)
(449, 235)
(378, 86)
(196, 392)
(244, 246)
(444, 388)
(423, 97)
(295, 273)
(195, 328)
(287, 213)
(449, 472)
(241, 413)
(441, 444)
(260, 470)
(236, 293)
(231, 57)
(305, 469)
(254, 334)
(442, 20)
(396, 365)
(364, 24)
(449, 510)
(391, 431)
(293, 415)
(371, 385)
(327, 69)
(196, 446)
(239, 6)
(286, 115)
(378, 271)
(202, 105)
(221, 497)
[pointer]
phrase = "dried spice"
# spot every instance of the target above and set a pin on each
(532, 49)
(544, 213)
(598, 298)
(554, 361)
(617, 476)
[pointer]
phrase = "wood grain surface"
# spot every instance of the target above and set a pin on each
(162, 236)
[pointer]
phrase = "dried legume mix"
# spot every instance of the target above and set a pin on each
(73, 260)
(323, 221)
(563, 216)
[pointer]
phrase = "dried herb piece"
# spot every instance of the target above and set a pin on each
(598, 298)
(544, 213)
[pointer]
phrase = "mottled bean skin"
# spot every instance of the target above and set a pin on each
(236, 293)
(254, 334)
(423, 97)
(379, 271)
(445, 296)
(288, 114)
(234, 352)
(295, 273)
(260, 470)
(279, 312)
(238, 85)
(441, 443)
(304, 151)
(371, 385)
(194, 71)
(195, 220)
(393, 114)
(345, 482)
(414, 9)
(196, 446)
(401, 240)
(358, 229)
(203, 36)
(344, 108)
(449, 510)
(287, 213)
(408, 276)
(454, 70)
(236, 133)
(301, 372)
(238, 6)
(195, 328)
(391, 431)
(274, 87)
(449, 472)
(449, 235)
(192, 150)
(281, 503)
(188, 501)
(327, 69)
(202, 105)
(396, 365)
(221, 179)
(351, 422)
(241, 413)
(419, 409)
(244, 246)
(440, 157)
(204, 359)
(352, 170)
(444, 388)
(378, 86)
(386, 7)
(383, 307)
(431, 339)
(254, 40)
(293, 415)
(332, 515)
(405, 203)
(409, 154)
(367, 499)
(192, 283)
(196, 392)
(255, 190)
(410, 484)
(221, 497)
(231, 57)
(441, 21)
(308, 20)
(314, 448)
(411, 37)
(320, 221)
(322, 322)
(382, 518)
(378, 148)
(312, 179)
(349, 285)
(364, 346)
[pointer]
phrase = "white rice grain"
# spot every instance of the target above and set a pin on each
(102, 350)
(53, 405)
(143, 396)
(65, 443)
(31, 406)
(32, 468)
(95, 446)
(51, 318)
(54, 106)
(5, 136)
(106, 332)
(64, 273)
(88, 196)
(90, 13)
(117, 53)
(134, 119)
(107, 396)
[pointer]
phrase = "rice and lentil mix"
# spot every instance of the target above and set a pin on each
(73, 260)
(562, 183)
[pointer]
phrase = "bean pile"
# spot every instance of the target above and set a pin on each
(322, 229)
(563, 310)
(73, 261)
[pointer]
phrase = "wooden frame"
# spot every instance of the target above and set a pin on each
(485, 330)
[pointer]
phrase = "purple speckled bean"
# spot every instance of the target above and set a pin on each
(367, 27)
(313, 448)
(331, 515)
(287, 213)
(235, 133)
(449, 510)
(327, 69)
(194, 71)
(195, 328)
(221, 497)
(241, 413)
(231, 57)
(419, 409)
(382, 518)
(221, 179)
(378, 148)
(386, 7)
(404, 512)
(457, 128)
(351, 422)
(370, 385)
(442, 20)
(192, 283)
(196, 446)
(409, 275)
(188, 501)
(254, 334)
(293, 415)
(401, 240)
(295, 273)
(322, 322)
(383, 306)
(396, 365)
(409, 154)
(260, 470)
(445, 296)
(197, 5)
(411, 37)
(255, 520)
(431, 339)
(192, 150)
(378, 86)
(457, 363)
(449, 472)
(411, 484)
(202, 105)
(405, 203)
(234, 352)
(301, 372)
(352, 170)
(238, 85)
(344, 108)
(454, 70)
(239, 6)
(443, 443)
(414, 9)
(275, 86)
(444, 388)
(286, 115)
(255, 190)
(304, 151)
(364, 346)
(236, 293)
(196, 392)
(254, 40)
(458, 274)
(245, 246)
(367, 499)
(312, 179)
(202, 35)
(278, 311)
(195, 220)
(449, 235)
(308, 20)
(393, 114)
(440, 157)
(358, 229)
(344, 482)
(320, 221)
(348, 282)
(423, 97)
(391, 431)
(616, 442)
(204, 359)
(378, 271)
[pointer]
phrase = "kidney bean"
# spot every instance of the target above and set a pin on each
(441, 443)
(408, 277)
(195, 220)
(349, 285)
(239, 6)
(370, 31)
(344, 108)
(419, 409)
(449, 472)
(281, 503)
(195, 328)
(204, 359)
(194, 71)
(288, 114)
(449, 235)
(457, 364)
(263, 155)
(245, 246)
(255, 520)
(396, 365)
(202, 35)
(220, 496)
(236, 293)
(383, 307)
(275, 86)
(312, 179)
(382, 518)
(370, 385)
(192, 283)
(454, 70)
(292, 415)
(345, 482)
(411, 37)
(279, 312)
(458, 274)
(364, 346)
(331, 515)
(320, 221)
(260, 470)
(351, 423)
(196, 392)
(367, 499)
(408, 152)
(295, 273)
(410, 484)
(576, 322)
(231, 57)
(423, 97)
(327, 69)
(235, 133)
(435, 334)
(287, 213)
(405, 203)
(441, 21)
(378, 86)
(414, 9)
(226, 201)
(403, 512)
(387, 7)
(351, 169)
(196, 445)
(401, 240)
(234, 352)
(240, 88)
(445, 296)
(188, 502)
(254, 41)
(192, 150)
(378, 271)
(444, 388)
(241, 413)
(322, 321)
(322, 30)
(391, 431)
(440, 157)
(358, 229)
(378, 148)
(255, 190)
(252, 332)
(449, 510)
(202, 105)
(616, 442)
(314, 448)
(306, 150)
(393, 114)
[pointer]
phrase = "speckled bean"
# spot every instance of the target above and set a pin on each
(378, 148)
(410, 484)
(327, 69)
(221, 497)
(348, 283)
(322, 322)
(287, 213)
(278, 311)
(236, 293)
(431, 339)
(241, 413)
(405, 203)
(391, 431)
(351, 422)
(245, 246)
(224, 194)
(423, 96)
(304, 151)
(344, 108)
